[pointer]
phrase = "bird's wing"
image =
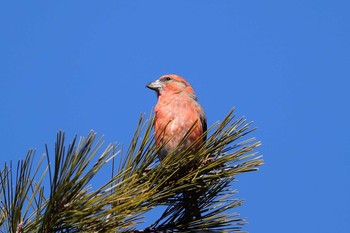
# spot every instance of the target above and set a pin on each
(203, 119)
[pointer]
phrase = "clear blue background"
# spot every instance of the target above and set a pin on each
(81, 65)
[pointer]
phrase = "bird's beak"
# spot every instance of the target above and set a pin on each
(156, 85)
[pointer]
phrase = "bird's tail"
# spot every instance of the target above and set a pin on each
(191, 205)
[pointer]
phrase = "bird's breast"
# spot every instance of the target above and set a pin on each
(174, 118)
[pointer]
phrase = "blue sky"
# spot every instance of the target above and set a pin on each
(81, 65)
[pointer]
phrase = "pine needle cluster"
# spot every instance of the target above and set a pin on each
(55, 194)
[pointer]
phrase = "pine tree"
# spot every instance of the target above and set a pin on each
(56, 194)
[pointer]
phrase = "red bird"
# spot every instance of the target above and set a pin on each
(176, 112)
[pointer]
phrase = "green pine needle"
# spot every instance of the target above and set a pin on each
(57, 197)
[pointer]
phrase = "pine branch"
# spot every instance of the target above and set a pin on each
(140, 184)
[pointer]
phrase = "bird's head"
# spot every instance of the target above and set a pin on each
(171, 84)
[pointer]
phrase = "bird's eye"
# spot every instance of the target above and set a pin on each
(165, 79)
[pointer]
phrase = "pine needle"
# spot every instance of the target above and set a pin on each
(58, 196)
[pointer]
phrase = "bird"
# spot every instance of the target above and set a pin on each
(180, 122)
(176, 112)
